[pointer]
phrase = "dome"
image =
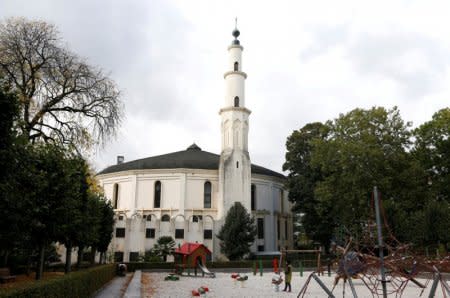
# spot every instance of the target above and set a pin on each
(191, 158)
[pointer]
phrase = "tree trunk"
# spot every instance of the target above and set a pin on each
(100, 261)
(80, 256)
(5, 259)
(28, 265)
(40, 265)
(93, 252)
(68, 266)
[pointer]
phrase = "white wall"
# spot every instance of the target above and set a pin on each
(182, 197)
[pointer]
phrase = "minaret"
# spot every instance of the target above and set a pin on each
(235, 166)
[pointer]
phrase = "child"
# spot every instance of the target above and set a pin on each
(288, 276)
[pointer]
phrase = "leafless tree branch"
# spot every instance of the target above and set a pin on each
(63, 99)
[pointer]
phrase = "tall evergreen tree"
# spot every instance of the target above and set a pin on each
(238, 233)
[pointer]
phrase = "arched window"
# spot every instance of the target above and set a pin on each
(236, 66)
(157, 197)
(207, 195)
(253, 197)
(236, 101)
(165, 217)
(115, 195)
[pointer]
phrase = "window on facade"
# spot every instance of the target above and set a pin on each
(260, 247)
(157, 196)
(207, 234)
(260, 228)
(150, 233)
(115, 195)
(120, 217)
(253, 197)
(134, 256)
(149, 218)
(236, 66)
(179, 233)
(236, 101)
(196, 218)
(278, 229)
(118, 256)
(165, 217)
(207, 195)
(120, 232)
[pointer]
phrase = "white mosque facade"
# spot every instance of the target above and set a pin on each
(186, 194)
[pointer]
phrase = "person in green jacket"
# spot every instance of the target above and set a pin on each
(287, 276)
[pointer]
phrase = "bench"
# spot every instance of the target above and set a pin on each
(5, 275)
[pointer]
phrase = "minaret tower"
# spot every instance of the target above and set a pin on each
(235, 166)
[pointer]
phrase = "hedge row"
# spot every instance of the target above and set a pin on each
(133, 266)
(79, 284)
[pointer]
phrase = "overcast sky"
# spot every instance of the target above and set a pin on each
(306, 61)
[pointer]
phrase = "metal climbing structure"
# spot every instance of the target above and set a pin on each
(383, 264)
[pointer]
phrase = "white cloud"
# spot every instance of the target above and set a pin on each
(306, 61)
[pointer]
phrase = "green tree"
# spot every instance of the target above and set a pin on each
(360, 149)
(62, 99)
(302, 180)
(365, 148)
(71, 210)
(46, 186)
(165, 246)
(437, 223)
(8, 221)
(432, 149)
(106, 225)
(238, 233)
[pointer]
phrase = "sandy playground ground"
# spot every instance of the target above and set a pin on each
(260, 286)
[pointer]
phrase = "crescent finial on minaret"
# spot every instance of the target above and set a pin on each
(235, 33)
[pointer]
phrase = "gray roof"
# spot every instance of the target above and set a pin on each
(191, 158)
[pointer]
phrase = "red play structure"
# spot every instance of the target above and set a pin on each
(192, 256)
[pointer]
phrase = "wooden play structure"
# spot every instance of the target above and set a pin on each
(191, 256)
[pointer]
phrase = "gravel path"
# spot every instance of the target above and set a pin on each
(258, 286)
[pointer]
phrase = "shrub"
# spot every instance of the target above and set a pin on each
(74, 285)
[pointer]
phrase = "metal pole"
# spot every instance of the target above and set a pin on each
(350, 282)
(380, 241)
(434, 285)
(322, 285)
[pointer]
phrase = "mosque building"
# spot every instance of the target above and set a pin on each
(186, 194)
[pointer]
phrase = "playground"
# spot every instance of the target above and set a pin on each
(223, 285)
(361, 269)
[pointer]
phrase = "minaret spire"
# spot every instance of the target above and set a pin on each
(235, 33)
(235, 166)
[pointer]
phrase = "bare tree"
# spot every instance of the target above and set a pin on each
(62, 99)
